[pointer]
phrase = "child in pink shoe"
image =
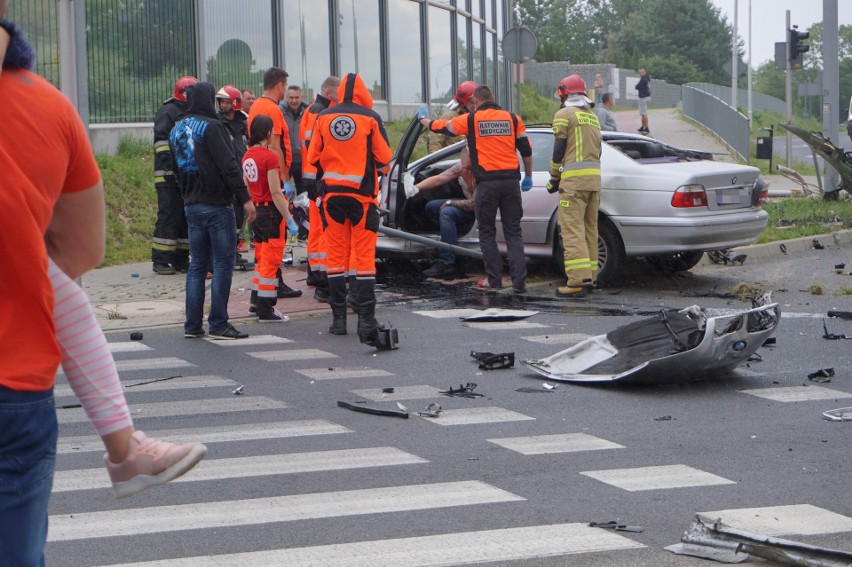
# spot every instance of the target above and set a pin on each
(133, 460)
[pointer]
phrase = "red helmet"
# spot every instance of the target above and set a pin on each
(233, 94)
(181, 86)
(572, 84)
(464, 92)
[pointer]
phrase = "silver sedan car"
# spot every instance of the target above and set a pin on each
(666, 204)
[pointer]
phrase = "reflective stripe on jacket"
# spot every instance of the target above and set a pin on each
(306, 130)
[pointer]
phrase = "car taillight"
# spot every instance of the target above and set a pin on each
(689, 196)
(760, 193)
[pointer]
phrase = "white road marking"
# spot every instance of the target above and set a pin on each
(177, 383)
(567, 339)
(559, 443)
(654, 478)
(335, 373)
(466, 548)
(477, 415)
(145, 364)
(801, 519)
(285, 355)
(252, 340)
(157, 519)
(448, 313)
(133, 346)
(265, 465)
(797, 393)
(249, 432)
(230, 404)
(421, 392)
(505, 325)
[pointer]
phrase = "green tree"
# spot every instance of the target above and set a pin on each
(691, 34)
(814, 58)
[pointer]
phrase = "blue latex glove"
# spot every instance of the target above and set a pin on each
(526, 184)
(289, 190)
(292, 227)
(421, 112)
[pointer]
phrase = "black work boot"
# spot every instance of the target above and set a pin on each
(253, 302)
(284, 290)
(313, 278)
(337, 291)
(351, 295)
(321, 292)
(368, 327)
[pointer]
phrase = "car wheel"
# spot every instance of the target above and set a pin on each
(671, 263)
(611, 257)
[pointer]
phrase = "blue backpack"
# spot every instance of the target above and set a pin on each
(183, 138)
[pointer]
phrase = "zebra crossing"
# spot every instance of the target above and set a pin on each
(476, 544)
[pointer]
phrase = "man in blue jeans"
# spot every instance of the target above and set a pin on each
(210, 179)
(450, 213)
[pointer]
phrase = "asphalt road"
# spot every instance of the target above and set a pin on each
(292, 479)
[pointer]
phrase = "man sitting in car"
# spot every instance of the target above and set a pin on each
(450, 213)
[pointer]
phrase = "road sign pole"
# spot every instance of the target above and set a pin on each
(789, 94)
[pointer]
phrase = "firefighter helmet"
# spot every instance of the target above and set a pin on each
(464, 92)
(180, 87)
(232, 93)
(572, 84)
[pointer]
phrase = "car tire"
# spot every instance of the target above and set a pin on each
(672, 263)
(611, 256)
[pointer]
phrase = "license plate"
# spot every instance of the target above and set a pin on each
(735, 196)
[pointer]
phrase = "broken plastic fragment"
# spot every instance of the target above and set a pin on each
(464, 391)
(847, 315)
(821, 375)
(816, 244)
(491, 361)
(374, 411)
(137, 336)
(238, 391)
(432, 410)
(495, 315)
(839, 414)
(831, 336)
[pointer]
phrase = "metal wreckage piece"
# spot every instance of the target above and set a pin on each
(840, 160)
(711, 539)
(674, 346)
(491, 361)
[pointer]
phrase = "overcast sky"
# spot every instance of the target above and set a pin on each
(769, 21)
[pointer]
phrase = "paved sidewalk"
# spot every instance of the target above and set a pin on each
(134, 297)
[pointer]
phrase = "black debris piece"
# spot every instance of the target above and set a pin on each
(711, 293)
(154, 380)
(373, 411)
(783, 248)
(613, 525)
(664, 418)
(497, 315)
(71, 406)
(816, 244)
(839, 266)
(717, 256)
(137, 336)
(734, 259)
(491, 361)
(831, 336)
(822, 375)
(463, 391)
(387, 390)
(771, 341)
(755, 358)
(846, 315)
(388, 338)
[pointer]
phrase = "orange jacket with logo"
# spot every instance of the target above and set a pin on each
(493, 135)
(349, 144)
(306, 130)
(268, 107)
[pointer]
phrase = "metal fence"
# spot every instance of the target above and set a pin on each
(759, 101)
(717, 115)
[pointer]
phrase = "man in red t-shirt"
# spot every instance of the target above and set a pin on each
(51, 189)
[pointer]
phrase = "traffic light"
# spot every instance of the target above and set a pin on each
(797, 48)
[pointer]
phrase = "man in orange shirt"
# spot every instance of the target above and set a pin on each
(348, 147)
(51, 189)
(274, 89)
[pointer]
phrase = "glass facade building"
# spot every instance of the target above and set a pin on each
(409, 52)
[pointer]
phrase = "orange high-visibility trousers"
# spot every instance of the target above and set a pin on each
(270, 231)
(351, 224)
(316, 240)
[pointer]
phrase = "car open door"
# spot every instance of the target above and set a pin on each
(392, 195)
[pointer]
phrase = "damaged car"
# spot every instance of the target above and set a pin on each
(674, 346)
(664, 203)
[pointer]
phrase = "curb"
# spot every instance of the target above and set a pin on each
(770, 249)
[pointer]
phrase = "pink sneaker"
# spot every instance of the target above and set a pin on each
(151, 462)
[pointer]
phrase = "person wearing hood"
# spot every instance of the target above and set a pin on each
(575, 172)
(461, 103)
(210, 179)
(348, 147)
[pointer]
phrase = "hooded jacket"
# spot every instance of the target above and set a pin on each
(349, 143)
(207, 170)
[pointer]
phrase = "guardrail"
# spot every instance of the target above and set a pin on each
(718, 116)
(759, 101)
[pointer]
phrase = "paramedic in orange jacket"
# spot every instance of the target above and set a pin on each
(316, 239)
(348, 147)
(493, 136)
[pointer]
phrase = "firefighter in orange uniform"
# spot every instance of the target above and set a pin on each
(316, 238)
(348, 147)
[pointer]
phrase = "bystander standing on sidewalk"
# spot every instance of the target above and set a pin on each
(644, 88)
